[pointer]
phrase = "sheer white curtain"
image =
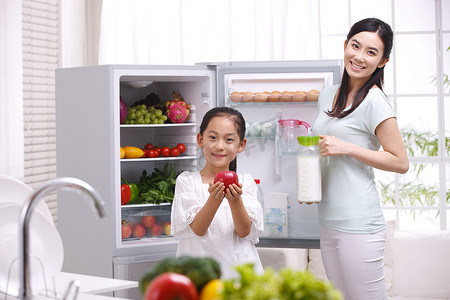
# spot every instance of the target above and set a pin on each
(11, 104)
(186, 32)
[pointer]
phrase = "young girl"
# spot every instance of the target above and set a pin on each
(208, 219)
(355, 119)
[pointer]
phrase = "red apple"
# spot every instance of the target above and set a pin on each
(148, 221)
(227, 177)
(167, 227)
(156, 229)
(138, 231)
(126, 230)
(171, 285)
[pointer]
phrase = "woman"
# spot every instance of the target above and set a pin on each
(355, 119)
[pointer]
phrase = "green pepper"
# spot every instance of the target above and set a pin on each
(129, 192)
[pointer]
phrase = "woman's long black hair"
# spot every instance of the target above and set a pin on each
(377, 78)
(238, 119)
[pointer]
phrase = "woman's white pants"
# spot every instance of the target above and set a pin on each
(354, 263)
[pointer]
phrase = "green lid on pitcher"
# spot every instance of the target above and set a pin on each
(308, 141)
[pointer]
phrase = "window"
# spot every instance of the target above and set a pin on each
(40, 59)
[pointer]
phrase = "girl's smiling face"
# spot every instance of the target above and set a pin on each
(363, 54)
(220, 142)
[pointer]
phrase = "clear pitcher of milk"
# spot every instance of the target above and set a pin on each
(309, 182)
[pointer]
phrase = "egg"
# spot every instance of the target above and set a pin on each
(274, 96)
(299, 96)
(312, 96)
(236, 97)
(247, 97)
(260, 97)
(286, 96)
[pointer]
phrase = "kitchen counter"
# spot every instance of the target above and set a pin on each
(93, 284)
(90, 287)
(275, 242)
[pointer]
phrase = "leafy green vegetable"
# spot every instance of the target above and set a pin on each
(284, 285)
(200, 270)
(158, 187)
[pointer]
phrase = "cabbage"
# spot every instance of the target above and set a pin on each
(123, 111)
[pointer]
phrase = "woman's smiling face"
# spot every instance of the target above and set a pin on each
(220, 142)
(363, 54)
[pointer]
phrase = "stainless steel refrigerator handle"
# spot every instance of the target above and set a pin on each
(27, 210)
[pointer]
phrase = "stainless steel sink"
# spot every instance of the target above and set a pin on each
(27, 210)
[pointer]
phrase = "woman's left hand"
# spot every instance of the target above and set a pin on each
(234, 192)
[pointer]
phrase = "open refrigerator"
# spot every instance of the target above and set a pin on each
(89, 136)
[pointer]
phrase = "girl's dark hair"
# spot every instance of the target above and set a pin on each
(225, 112)
(377, 77)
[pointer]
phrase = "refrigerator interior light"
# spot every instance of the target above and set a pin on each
(139, 84)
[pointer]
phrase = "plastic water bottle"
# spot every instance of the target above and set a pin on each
(260, 192)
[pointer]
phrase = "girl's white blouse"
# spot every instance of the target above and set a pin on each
(221, 241)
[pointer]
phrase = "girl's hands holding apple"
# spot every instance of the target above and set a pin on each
(233, 192)
(217, 190)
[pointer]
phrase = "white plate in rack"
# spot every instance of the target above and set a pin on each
(15, 191)
(46, 250)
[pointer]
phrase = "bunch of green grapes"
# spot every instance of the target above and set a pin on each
(140, 114)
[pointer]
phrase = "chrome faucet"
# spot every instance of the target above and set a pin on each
(27, 210)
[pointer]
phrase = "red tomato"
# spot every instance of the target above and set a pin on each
(227, 177)
(145, 153)
(181, 147)
(169, 286)
(148, 146)
(174, 152)
(151, 153)
(158, 151)
(165, 151)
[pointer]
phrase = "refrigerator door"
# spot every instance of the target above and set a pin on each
(89, 136)
(248, 87)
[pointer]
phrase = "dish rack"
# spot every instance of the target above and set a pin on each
(71, 292)
(31, 201)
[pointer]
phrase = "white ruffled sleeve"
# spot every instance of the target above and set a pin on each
(253, 208)
(186, 205)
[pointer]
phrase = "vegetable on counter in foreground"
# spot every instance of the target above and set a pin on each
(287, 284)
(200, 270)
(170, 285)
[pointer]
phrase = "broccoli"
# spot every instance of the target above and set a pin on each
(200, 270)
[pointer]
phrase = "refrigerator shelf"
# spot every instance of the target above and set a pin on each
(270, 103)
(139, 241)
(157, 158)
(165, 125)
(149, 205)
